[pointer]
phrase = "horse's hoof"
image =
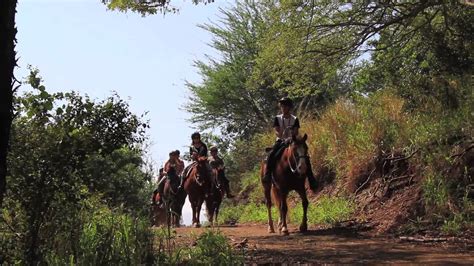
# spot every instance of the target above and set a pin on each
(284, 231)
(303, 228)
(271, 230)
(197, 225)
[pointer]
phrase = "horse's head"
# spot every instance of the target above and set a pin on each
(299, 154)
(202, 169)
(218, 176)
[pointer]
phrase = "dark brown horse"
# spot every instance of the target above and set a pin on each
(173, 198)
(289, 174)
(197, 186)
(214, 200)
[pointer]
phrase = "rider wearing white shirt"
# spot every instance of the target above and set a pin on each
(286, 126)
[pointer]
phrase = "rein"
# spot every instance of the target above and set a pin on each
(295, 159)
(196, 177)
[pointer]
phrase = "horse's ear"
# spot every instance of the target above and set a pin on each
(305, 137)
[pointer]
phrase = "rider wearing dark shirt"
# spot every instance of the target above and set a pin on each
(216, 162)
(196, 150)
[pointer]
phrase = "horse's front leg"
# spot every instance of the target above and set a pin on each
(216, 222)
(193, 207)
(283, 214)
(305, 203)
(198, 214)
(268, 202)
(211, 217)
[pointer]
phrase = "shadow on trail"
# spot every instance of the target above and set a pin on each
(345, 246)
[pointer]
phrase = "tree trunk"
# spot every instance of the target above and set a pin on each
(7, 64)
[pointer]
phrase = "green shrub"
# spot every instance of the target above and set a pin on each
(212, 248)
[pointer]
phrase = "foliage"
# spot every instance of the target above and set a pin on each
(109, 237)
(223, 100)
(149, 7)
(213, 248)
(327, 210)
(66, 148)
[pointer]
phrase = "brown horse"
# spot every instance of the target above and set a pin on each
(289, 174)
(214, 200)
(173, 198)
(197, 186)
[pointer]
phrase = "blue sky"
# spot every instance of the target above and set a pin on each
(80, 45)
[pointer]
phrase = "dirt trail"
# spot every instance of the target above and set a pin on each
(336, 247)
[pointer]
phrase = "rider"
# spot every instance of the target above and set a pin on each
(286, 126)
(173, 162)
(179, 162)
(215, 161)
(196, 150)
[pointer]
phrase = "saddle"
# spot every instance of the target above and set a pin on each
(187, 170)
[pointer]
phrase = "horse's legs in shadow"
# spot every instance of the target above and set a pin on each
(283, 213)
(280, 201)
(268, 201)
(216, 213)
(198, 213)
(193, 207)
(304, 203)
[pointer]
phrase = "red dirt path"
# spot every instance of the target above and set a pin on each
(339, 246)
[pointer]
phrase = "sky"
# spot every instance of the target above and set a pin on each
(80, 45)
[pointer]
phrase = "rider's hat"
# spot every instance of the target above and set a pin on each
(286, 101)
(172, 153)
(195, 135)
(213, 148)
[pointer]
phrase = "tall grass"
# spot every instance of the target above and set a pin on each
(327, 210)
(212, 248)
(351, 133)
(109, 238)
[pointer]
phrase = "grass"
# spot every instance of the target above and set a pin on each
(212, 248)
(327, 210)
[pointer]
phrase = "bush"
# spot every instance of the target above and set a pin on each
(213, 248)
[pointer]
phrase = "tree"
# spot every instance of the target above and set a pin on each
(225, 99)
(7, 83)
(149, 7)
(66, 148)
(8, 63)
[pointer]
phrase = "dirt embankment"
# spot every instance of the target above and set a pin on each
(389, 194)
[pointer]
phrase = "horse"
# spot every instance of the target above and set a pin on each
(197, 186)
(173, 198)
(216, 194)
(289, 174)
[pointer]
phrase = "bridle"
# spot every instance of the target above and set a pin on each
(296, 159)
(198, 175)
